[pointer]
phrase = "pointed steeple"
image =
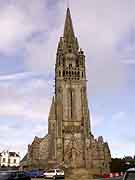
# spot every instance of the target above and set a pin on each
(69, 35)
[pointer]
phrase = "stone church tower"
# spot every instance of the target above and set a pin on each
(70, 122)
(69, 142)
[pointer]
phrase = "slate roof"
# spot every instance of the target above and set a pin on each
(14, 154)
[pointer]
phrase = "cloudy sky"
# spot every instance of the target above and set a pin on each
(29, 34)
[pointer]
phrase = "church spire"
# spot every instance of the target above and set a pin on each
(69, 35)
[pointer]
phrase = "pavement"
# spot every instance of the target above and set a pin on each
(116, 178)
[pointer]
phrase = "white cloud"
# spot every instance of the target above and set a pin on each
(25, 97)
(96, 121)
(119, 116)
(19, 21)
(24, 108)
(13, 28)
(30, 108)
(40, 55)
(15, 76)
(129, 62)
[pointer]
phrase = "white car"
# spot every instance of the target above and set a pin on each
(129, 174)
(54, 173)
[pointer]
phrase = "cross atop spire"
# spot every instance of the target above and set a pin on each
(69, 35)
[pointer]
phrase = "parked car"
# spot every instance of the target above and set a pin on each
(13, 175)
(106, 176)
(35, 173)
(129, 174)
(54, 173)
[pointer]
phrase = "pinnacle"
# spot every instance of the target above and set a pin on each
(52, 110)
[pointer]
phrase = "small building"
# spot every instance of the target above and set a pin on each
(9, 159)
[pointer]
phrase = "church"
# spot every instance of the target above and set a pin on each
(69, 142)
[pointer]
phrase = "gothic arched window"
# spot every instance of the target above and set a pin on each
(71, 101)
(63, 61)
(82, 74)
(59, 73)
(77, 63)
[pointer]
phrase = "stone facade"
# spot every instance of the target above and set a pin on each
(69, 142)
